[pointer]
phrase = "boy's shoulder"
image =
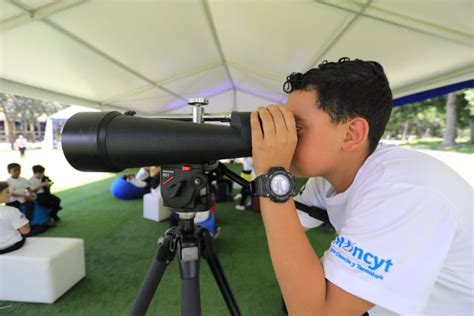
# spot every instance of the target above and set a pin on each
(8, 211)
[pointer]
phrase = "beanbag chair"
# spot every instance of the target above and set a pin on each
(208, 221)
(40, 214)
(124, 190)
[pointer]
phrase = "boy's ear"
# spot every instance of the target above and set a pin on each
(357, 133)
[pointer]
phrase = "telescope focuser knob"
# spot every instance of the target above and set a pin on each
(198, 101)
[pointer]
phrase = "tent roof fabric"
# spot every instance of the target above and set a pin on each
(150, 56)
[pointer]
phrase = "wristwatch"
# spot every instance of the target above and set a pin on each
(277, 184)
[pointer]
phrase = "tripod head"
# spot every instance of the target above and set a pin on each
(186, 188)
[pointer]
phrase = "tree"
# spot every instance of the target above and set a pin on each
(450, 133)
(25, 111)
(424, 118)
(4, 101)
(428, 118)
(469, 97)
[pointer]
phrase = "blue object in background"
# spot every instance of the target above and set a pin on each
(124, 190)
(209, 223)
(40, 214)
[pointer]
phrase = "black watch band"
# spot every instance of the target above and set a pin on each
(256, 187)
(262, 185)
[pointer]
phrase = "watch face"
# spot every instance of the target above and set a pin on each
(280, 185)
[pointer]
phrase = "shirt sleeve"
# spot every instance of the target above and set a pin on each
(17, 219)
(33, 183)
(142, 174)
(309, 195)
(392, 247)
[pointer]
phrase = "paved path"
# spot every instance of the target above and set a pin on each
(57, 168)
(463, 164)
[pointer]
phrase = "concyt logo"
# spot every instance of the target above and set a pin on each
(373, 262)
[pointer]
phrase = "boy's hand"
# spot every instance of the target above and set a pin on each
(274, 140)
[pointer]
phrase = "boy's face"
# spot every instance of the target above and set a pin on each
(319, 140)
(15, 172)
(39, 175)
(5, 195)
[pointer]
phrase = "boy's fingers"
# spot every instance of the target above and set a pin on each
(280, 126)
(289, 119)
(267, 123)
(257, 133)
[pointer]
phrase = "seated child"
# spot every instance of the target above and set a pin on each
(41, 184)
(144, 177)
(21, 195)
(13, 224)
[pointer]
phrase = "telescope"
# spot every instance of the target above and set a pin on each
(111, 141)
(188, 154)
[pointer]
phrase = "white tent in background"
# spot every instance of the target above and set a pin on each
(65, 114)
(57, 120)
(150, 56)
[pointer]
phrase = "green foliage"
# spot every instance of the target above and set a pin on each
(428, 118)
(26, 110)
(469, 97)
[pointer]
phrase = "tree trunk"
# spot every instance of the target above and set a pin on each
(32, 132)
(9, 128)
(406, 124)
(471, 125)
(451, 120)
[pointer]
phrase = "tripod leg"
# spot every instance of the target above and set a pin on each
(218, 272)
(189, 269)
(153, 277)
(190, 297)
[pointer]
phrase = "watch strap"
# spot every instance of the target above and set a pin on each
(256, 186)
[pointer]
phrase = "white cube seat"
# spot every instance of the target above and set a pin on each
(153, 207)
(42, 270)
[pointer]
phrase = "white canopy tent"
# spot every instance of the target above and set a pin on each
(150, 56)
(57, 120)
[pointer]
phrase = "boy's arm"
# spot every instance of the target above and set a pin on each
(19, 195)
(36, 189)
(299, 272)
(25, 229)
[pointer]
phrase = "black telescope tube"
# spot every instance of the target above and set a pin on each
(110, 141)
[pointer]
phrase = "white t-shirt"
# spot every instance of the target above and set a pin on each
(142, 174)
(17, 186)
(35, 183)
(405, 234)
(11, 219)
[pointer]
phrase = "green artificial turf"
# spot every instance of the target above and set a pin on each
(119, 247)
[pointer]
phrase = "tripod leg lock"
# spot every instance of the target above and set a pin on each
(166, 250)
(189, 254)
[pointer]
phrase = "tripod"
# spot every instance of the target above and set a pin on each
(190, 244)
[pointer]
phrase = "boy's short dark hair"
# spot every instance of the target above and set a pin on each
(13, 165)
(347, 89)
(38, 168)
